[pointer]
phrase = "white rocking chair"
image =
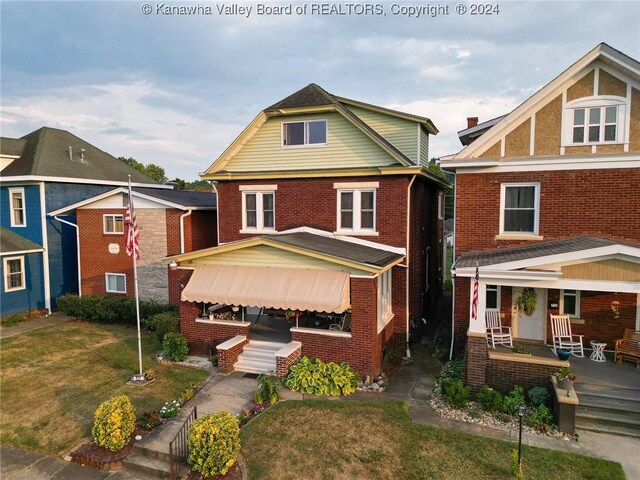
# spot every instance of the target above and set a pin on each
(563, 339)
(496, 333)
(343, 325)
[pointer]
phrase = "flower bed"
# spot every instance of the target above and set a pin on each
(100, 458)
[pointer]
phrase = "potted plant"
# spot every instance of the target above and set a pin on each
(563, 354)
(565, 378)
(526, 301)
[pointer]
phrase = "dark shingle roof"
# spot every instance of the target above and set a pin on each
(186, 198)
(12, 146)
(12, 242)
(337, 248)
(46, 153)
(513, 254)
(310, 96)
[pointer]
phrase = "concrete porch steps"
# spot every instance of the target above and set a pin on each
(608, 409)
(258, 357)
(151, 461)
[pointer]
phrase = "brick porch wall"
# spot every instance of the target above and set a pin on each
(503, 374)
(283, 363)
(228, 355)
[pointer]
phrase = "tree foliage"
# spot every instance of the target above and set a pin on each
(151, 170)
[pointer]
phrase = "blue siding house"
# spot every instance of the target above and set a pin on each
(40, 173)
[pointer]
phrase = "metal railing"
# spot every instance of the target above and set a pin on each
(179, 447)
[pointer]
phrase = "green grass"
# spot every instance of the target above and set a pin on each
(376, 440)
(12, 320)
(53, 379)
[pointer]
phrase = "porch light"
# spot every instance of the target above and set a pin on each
(173, 265)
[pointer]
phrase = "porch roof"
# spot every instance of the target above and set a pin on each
(285, 288)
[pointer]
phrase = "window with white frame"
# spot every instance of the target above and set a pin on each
(13, 274)
(595, 120)
(440, 205)
(17, 207)
(258, 210)
(357, 210)
(307, 133)
(492, 297)
(113, 224)
(570, 303)
(520, 208)
(116, 282)
(385, 307)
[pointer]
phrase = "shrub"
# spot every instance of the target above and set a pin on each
(455, 393)
(150, 420)
(539, 396)
(163, 323)
(268, 390)
(511, 401)
(114, 423)
(452, 369)
(214, 444)
(319, 378)
(175, 347)
(542, 417)
(489, 399)
(70, 304)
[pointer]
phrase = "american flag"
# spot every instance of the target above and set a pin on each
(474, 304)
(133, 236)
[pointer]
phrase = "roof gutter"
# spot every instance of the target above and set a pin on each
(77, 228)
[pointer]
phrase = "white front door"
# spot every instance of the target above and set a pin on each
(530, 327)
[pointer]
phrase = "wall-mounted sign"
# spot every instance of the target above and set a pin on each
(553, 304)
(114, 248)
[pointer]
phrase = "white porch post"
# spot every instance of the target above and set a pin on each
(478, 325)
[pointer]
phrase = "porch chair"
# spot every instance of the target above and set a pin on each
(496, 333)
(344, 325)
(563, 338)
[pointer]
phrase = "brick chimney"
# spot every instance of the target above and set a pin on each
(472, 122)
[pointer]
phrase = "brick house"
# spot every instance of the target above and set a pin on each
(547, 199)
(169, 222)
(327, 215)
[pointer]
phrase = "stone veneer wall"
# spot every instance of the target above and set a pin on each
(152, 273)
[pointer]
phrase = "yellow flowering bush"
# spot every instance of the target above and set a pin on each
(214, 444)
(114, 423)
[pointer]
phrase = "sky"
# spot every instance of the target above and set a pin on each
(176, 90)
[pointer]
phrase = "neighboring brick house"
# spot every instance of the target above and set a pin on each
(40, 172)
(169, 221)
(547, 198)
(320, 184)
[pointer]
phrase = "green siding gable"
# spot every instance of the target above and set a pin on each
(424, 148)
(402, 134)
(347, 147)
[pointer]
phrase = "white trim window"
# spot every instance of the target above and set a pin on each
(357, 210)
(492, 297)
(258, 211)
(595, 120)
(385, 305)
(520, 208)
(112, 224)
(441, 206)
(304, 133)
(14, 274)
(17, 207)
(570, 303)
(115, 282)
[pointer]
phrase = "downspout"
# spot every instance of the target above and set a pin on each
(453, 258)
(77, 249)
(408, 352)
(45, 246)
(182, 217)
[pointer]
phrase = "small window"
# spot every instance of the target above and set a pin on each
(17, 207)
(357, 210)
(113, 224)
(493, 296)
(258, 211)
(440, 205)
(297, 134)
(14, 274)
(520, 208)
(116, 282)
(570, 303)
(385, 306)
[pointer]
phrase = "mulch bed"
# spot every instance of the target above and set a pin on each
(100, 458)
(234, 473)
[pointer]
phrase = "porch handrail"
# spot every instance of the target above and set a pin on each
(179, 446)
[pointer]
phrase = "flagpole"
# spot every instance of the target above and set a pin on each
(135, 283)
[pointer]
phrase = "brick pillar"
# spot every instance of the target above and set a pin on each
(287, 356)
(229, 351)
(476, 360)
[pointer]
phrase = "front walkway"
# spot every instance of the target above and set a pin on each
(35, 324)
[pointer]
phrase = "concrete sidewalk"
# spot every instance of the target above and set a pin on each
(35, 324)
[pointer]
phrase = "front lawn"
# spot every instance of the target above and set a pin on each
(376, 440)
(53, 379)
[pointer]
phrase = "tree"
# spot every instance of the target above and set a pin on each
(150, 170)
(197, 185)
(434, 167)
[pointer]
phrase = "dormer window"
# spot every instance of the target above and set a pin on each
(307, 133)
(595, 120)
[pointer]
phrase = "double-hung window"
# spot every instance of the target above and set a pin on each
(258, 210)
(570, 303)
(116, 282)
(306, 133)
(493, 297)
(385, 307)
(13, 274)
(595, 120)
(113, 224)
(17, 207)
(520, 205)
(356, 210)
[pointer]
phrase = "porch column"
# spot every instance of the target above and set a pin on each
(477, 352)
(478, 325)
